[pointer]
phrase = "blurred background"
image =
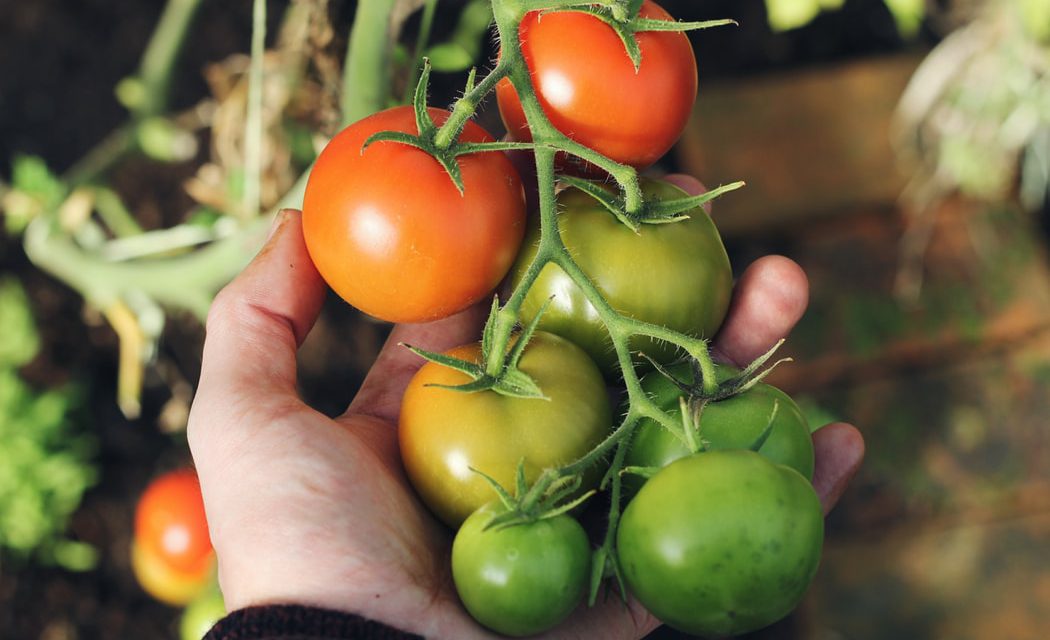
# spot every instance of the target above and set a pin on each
(898, 149)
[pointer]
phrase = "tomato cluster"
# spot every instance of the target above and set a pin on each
(171, 552)
(726, 534)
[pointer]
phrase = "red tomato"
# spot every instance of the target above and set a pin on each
(391, 234)
(170, 524)
(590, 91)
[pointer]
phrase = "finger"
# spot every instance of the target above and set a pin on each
(768, 300)
(257, 322)
(839, 450)
(380, 393)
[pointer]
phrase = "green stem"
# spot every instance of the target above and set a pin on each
(158, 61)
(253, 121)
(425, 26)
(468, 104)
(366, 77)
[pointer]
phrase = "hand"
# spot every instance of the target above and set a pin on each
(304, 509)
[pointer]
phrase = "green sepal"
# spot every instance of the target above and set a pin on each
(424, 123)
(451, 165)
(518, 384)
(645, 472)
(472, 369)
(488, 333)
(527, 332)
(762, 437)
(649, 24)
(394, 136)
(609, 200)
(508, 500)
(663, 211)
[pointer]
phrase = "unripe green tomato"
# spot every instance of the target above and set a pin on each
(523, 579)
(202, 614)
(733, 423)
(721, 543)
(676, 275)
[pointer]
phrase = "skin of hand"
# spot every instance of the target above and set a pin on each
(306, 509)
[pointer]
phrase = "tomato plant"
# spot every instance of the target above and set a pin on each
(589, 89)
(389, 231)
(522, 579)
(445, 433)
(722, 542)
(733, 423)
(676, 275)
(170, 523)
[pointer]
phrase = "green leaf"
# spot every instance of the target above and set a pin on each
(19, 340)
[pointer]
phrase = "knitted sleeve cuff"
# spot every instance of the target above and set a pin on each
(295, 622)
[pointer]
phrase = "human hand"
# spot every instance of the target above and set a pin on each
(304, 509)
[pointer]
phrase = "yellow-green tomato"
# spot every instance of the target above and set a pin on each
(523, 579)
(444, 434)
(733, 423)
(676, 275)
(202, 614)
(722, 542)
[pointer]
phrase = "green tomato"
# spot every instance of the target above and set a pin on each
(733, 423)
(202, 614)
(676, 275)
(722, 542)
(445, 434)
(523, 579)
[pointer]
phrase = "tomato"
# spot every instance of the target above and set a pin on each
(389, 232)
(524, 579)
(444, 433)
(170, 523)
(201, 615)
(590, 91)
(676, 275)
(733, 423)
(165, 583)
(721, 543)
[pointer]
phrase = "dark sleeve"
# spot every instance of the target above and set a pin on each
(294, 622)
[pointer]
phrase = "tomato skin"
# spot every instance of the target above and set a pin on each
(444, 433)
(165, 583)
(721, 543)
(389, 232)
(733, 423)
(524, 579)
(590, 91)
(170, 523)
(676, 275)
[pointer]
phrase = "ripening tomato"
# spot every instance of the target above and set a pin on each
(165, 583)
(523, 579)
(676, 275)
(444, 434)
(391, 234)
(589, 89)
(170, 523)
(721, 543)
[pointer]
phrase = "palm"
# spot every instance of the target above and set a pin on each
(306, 509)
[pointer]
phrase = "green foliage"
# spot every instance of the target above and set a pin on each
(791, 14)
(46, 462)
(34, 190)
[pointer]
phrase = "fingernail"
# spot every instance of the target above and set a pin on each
(278, 221)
